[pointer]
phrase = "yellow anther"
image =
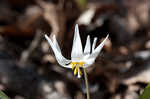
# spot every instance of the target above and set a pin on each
(76, 67)
(76, 70)
(73, 64)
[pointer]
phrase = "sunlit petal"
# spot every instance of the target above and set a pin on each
(91, 59)
(94, 44)
(61, 60)
(56, 43)
(87, 48)
(77, 51)
(96, 52)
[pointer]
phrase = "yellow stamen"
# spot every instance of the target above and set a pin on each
(76, 67)
(73, 65)
(76, 70)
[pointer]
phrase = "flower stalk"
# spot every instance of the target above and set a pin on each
(86, 83)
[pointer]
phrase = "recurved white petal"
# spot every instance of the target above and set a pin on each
(61, 60)
(77, 51)
(56, 43)
(94, 44)
(91, 59)
(87, 48)
(96, 52)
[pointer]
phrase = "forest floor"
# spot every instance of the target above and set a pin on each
(28, 69)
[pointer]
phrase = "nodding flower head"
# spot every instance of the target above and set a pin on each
(79, 58)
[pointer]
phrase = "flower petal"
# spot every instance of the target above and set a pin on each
(94, 44)
(90, 60)
(61, 60)
(87, 48)
(98, 49)
(56, 43)
(77, 51)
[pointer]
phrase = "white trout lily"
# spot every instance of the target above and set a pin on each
(79, 58)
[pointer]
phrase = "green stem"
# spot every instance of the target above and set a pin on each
(86, 83)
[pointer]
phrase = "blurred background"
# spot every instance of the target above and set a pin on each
(28, 69)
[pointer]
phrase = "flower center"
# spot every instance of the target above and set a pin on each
(76, 68)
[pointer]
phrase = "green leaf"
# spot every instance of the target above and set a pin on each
(146, 93)
(3, 96)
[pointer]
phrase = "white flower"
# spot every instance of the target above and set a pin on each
(79, 58)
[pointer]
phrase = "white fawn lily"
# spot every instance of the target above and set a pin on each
(79, 58)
